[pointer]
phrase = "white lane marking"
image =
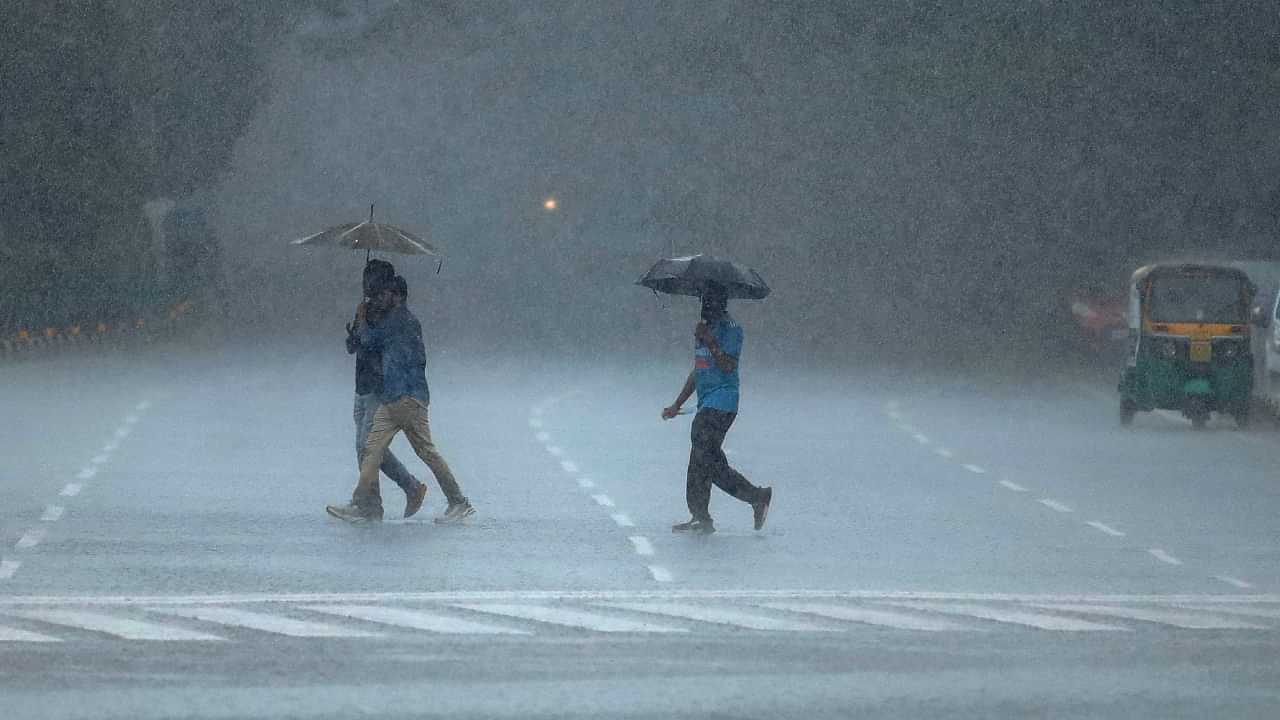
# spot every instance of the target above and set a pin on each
(921, 438)
(143, 406)
(906, 427)
(586, 483)
(543, 437)
(1014, 616)
(659, 573)
(1055, 505)
(126, 628)
(52, 513)
(720, 616)
(415, 619)
(71, 490)
(622, 520)
(8, 568)
(100, 459)
(1237, 582)
(1164, 557)
(1262, 612)
(869, 616)
(1236, 599)
(602, 500)
(1105, 528)
(86, 473)
(274, 624)
(535, 423)
(570, 618)
(31, 538)
(1013, 486)
(641, 544)
(943, 452)
(111, 447)
(8, 634)
(1188, 620)
(568, 466)
(123, 432)
(555, 450)
(977, 470)
(131, 419)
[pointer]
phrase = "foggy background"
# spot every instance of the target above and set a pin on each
(912, 178)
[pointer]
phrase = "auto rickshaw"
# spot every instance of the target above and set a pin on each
(1189, 335)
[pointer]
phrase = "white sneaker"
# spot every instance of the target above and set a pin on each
(456, 513)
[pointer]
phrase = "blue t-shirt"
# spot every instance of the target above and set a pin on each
(718, 390)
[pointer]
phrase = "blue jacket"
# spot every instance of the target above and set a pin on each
(398, 336)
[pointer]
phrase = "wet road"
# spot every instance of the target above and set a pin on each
(938, 546)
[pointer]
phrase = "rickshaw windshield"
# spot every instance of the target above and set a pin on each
(1198, 299)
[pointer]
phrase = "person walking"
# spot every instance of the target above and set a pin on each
(404, 401)
(369, 387)
(717, 348)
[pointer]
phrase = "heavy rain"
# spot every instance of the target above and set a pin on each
(966, 408)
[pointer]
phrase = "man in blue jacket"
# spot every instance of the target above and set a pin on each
(717, 347)
(405, 397)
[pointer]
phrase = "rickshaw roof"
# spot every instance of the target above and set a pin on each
(1169, 269)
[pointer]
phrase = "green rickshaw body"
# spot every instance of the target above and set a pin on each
(1189, 338)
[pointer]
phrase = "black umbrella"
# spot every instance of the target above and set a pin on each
(690, 276)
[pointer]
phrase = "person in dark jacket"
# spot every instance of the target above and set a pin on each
(369, 387)
(404, 400)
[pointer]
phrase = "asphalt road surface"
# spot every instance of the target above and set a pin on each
(938, 547)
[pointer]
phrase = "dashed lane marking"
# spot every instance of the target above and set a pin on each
(123, 432)
(414, 619)
(1103, 527)
(543, 437)
(555, 450)
(659, 573)
(975, 469)
(100, 459)
(921, 438)
(71, 490)
(1013, 486)
(8, 568)
(87, 473)
(586, 483)
(1234, 581)
(31, 538)
(1248, 611)
(52, 513)
(111, 447)
(1164, 557)
(569, 466)
(943, 452)
(602, 500)
(274, 624)
(131, 419)
(1055, 505)
(622, 520)
(641, 544)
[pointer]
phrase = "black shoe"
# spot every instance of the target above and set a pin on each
(413, 500)
(353, 513)
(760, 508)
(694, 526)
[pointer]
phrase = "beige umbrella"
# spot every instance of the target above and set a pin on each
(369, 236)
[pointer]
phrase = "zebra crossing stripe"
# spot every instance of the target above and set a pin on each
(1181, 619)
(719, 616)
(870, 616)
(126, 628)
(415, 619)
(8, 634)
(273, 624)
(1246, 610)
(570, 618)
(1013, 616)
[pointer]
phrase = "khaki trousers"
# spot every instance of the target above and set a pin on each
(409, 415)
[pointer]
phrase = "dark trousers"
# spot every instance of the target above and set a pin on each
(708, 465)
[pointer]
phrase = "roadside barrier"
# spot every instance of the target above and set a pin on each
(29, 341)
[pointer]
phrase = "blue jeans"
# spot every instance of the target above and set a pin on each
(365, 407)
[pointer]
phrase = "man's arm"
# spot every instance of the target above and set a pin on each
(374, 337)
(685, 392)
(726, 362)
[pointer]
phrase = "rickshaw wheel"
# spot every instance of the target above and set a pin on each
(1127, 410)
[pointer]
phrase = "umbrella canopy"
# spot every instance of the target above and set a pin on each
(690, 276)
(370, 237)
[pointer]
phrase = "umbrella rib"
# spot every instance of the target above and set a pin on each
(405, 236)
